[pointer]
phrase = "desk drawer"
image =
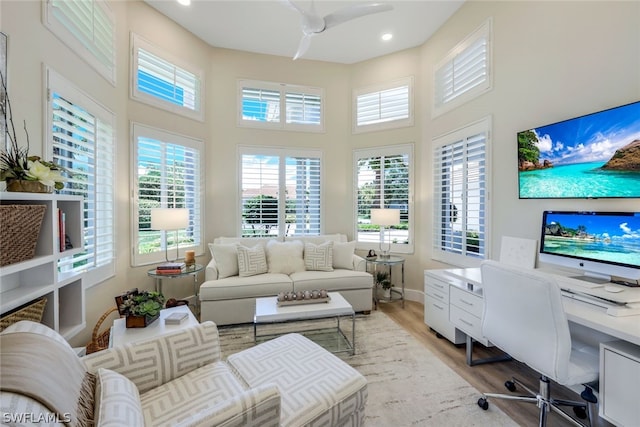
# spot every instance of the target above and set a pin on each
(466, 322)
(466, 301)
(436, 287)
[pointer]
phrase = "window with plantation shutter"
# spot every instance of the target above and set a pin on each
(460, 195)
(280, 192)
(165, 82)
(81, 135)
(260, 105)
(167, 174)
(384, 179)
(465, 73)
(384, 106)
(88, 29)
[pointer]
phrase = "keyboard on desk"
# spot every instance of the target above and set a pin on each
(612, 308)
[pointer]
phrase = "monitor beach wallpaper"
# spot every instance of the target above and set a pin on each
(593, 156)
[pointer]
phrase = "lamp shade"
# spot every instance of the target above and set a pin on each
(385, 216)
(169, 218)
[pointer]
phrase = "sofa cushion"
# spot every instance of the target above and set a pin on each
(335, 280)
(251, 261)
(285, 257)
(226, 257)
(318, 257)
(343, 255)
(185, 397)
(261, 285)
(317, 388)
(117, 401)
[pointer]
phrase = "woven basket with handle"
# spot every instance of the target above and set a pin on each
(32, 311)
(100, 340)
(19, 230)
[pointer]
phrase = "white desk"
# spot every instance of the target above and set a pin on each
(120, 334)
(462, 302)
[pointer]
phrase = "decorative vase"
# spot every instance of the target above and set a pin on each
(25, 186)
(134, 321)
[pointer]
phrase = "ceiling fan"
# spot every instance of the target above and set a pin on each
(313, 24)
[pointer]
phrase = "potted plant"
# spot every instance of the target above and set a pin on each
(141, 308)
(18, 169)
(383, 279)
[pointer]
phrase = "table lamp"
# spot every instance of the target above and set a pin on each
(385, 218)
(168, 219)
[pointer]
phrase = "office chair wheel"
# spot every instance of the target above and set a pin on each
(482, 402)
(510, 385)
(580, 411)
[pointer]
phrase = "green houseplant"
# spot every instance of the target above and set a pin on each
(141, 308)
(383, 279)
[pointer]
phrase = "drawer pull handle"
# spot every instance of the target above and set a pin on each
(438, 307)
(466, 323)
(440, 297)
(466, 302)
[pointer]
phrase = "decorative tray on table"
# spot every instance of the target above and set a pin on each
(306, 297)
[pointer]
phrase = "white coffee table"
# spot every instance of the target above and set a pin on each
(120, 334)
(268, 311)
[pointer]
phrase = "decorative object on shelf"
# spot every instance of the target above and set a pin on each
(100, 340)
(30, 311)
(385, 218)
(382, 279)
(140, 308)
(172, 302)
(170, 219)
(170, 268)
(19, 231)
(18, 169)
(307, 297)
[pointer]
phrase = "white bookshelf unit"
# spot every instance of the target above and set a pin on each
(40, 276)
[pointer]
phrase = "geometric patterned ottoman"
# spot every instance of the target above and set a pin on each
(316, 387)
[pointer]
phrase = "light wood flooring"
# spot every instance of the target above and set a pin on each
(487, 377)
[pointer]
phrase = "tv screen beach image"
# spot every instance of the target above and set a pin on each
(592, 156)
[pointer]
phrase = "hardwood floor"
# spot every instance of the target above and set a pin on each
(488, 377)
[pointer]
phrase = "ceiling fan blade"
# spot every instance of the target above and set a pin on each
(352, 12)
(305, 42)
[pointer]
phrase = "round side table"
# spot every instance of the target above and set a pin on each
(389, 262)
(189, 270)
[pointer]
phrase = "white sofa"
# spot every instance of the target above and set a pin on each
(176, 379)
(243, 269)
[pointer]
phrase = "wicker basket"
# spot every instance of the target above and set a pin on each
(100, 340)
(19, 231)
(31, 311)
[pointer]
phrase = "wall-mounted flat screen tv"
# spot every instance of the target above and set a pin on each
(592, 156)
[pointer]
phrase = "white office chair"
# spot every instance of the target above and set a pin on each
(523, 316)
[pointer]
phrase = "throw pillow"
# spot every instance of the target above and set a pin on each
(343, 255)
(285, 257)
(251, 261)
(318, 257)
(226, 256)
(117, 401)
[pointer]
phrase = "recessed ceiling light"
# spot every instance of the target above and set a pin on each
(184, 2)
(387, 36)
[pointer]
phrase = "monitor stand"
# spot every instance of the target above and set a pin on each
(592, 279)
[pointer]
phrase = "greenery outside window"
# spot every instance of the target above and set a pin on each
(384, 179)
(280, 192)
(167, 174)
(81, 139)
(460, 179)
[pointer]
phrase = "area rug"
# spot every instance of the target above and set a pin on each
(408, 385)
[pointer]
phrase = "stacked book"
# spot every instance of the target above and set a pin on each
(170, 268)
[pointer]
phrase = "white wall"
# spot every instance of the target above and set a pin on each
(552, 61)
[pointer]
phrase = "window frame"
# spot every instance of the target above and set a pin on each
(441, 106)
(197, 113)
(82, 46)
(104, 199)
(480, 127)
(139, 130)
(282, 89)
(282, 154)
(379, 89)
(386, 151)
